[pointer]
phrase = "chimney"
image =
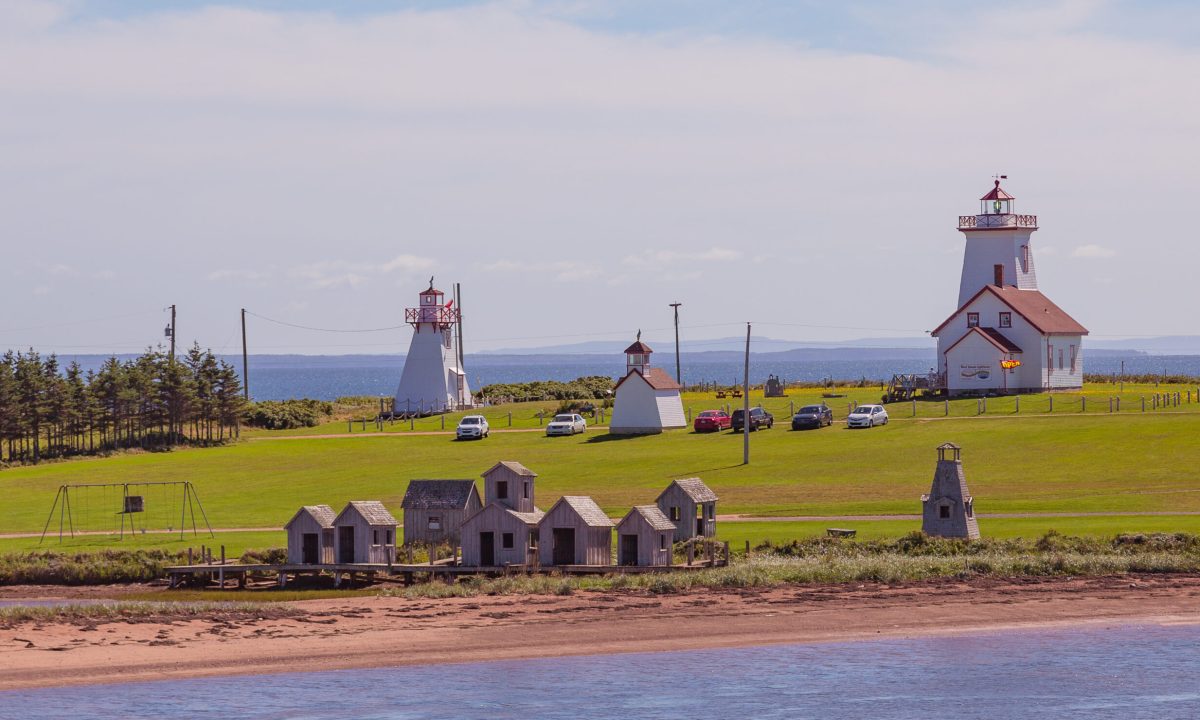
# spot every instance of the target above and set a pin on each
(999, 271)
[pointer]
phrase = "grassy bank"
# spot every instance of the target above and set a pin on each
(87, 613)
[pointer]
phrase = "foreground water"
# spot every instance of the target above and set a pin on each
(1122, 672)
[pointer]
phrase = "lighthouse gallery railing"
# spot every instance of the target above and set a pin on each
(966, 222)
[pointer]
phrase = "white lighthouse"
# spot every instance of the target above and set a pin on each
(433, 379)
(1006, 336)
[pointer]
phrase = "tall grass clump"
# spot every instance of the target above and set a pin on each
(105, 567)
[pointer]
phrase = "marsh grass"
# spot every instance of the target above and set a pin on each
(914, 557)
(136, 611)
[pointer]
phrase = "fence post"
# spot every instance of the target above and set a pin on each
(411, 422)
(1118, 404)
(792, 409)
(510, 418)
(1018, 399)
(1143, 403)
(947, 407)
(1051, 403)
(349, 426)
(983, 402)
(539, 417)
(1110, 406)
(1083, 403)
(689, 415)
(914, 407)
(443, 422)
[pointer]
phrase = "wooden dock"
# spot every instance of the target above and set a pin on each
(238, 573)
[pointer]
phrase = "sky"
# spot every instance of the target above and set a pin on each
(578, 166)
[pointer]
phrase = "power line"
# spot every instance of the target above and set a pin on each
(332, 330)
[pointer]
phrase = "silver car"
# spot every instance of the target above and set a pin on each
(566, 424)
(867, 416)
(472, 426)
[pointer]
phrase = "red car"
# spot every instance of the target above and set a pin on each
(712, 421)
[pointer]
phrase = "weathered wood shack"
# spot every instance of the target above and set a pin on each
(310, 535)
(365, 532)
(575, 531)
(434, 510)
(509, 483)
(644, 537)
(498, 536)
(691, 506)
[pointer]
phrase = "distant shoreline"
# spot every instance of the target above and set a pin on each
(371, 631)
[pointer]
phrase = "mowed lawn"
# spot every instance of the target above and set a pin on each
(1068, 462)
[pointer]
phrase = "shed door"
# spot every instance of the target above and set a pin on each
(487, 549)
(309, 553)
(629, 550)
(346, 544)
(564, 546)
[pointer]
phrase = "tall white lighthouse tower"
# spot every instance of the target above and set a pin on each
(999, 246)
(433, 379)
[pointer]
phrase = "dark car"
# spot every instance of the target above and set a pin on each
(812, 416)
(759, 418)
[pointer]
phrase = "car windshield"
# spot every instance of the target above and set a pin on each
(564, 418)
(469, 421)
(863, 410)
(708, 413)
(810, 410)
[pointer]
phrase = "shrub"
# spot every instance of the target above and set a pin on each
(287, 414)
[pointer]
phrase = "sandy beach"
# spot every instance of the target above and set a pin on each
(383, 632)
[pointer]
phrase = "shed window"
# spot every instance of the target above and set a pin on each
(675, 513)
(944, 512)
(435, 522)
(533, 540)
(1005, 319)
(662, 541)
(388, 535)
(972, 320)
(1074, 355)
(711, 511)
(525, 489)
(502, 489)
(506, 541)
(374, 537)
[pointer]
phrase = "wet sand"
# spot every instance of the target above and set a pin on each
(358, 632)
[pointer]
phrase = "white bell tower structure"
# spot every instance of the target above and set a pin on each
(433, 379)
(999, 247)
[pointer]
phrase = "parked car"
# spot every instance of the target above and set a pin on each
(712, 421)
(472, 426)
(867, 416)
(812, 416)
(566, 424)
(759, 418)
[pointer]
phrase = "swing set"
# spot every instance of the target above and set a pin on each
(110, 508)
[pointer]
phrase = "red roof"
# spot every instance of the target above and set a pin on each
(993, 336)
(997, 194)
(638, 347)
(432, 291)
(656, 378)
(1032, 305)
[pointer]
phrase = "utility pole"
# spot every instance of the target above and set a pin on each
(245, 360)
(172, 332)
(746, 404)
(462, 395)
(678, 373)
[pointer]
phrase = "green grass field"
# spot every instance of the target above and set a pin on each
(1034, 462)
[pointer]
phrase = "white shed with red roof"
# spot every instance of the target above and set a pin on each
(1006, 336)
(646, 400)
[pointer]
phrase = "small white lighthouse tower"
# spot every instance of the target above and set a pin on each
(433, 379)
(646, 400)
(999, 248)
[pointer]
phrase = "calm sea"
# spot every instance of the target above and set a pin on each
(1125, 672)
(271, 380)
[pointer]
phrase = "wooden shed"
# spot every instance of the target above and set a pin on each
(691, 506)
(510, 483)
(434, 510)
(498, 536)
(575, 531)
(644, 537)
(365, 532)
(310, 535)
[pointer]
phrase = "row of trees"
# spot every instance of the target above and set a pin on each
(152, 401)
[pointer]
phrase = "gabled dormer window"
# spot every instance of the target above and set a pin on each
(972, 320)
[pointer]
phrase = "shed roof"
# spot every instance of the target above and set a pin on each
(438, 494)
(512, 465)
(322, 514)
(529, 518)
(656, 378)
(652, 515)
(372, 511)
(695, 489)
(1036, 308)
(587, 509)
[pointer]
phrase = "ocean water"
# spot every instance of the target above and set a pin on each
(1126, 672)
(328, 381)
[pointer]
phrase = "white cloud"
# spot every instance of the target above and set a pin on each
(1093, 251)
(239, 274)
(407, 264)
(560, 271)
(660, 258)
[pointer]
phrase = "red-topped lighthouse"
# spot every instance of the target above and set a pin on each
(433, 379)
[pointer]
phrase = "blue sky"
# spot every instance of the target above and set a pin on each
(579, 165)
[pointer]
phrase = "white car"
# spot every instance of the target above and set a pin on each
(867, 416)
(566, 425)
(472, 426)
